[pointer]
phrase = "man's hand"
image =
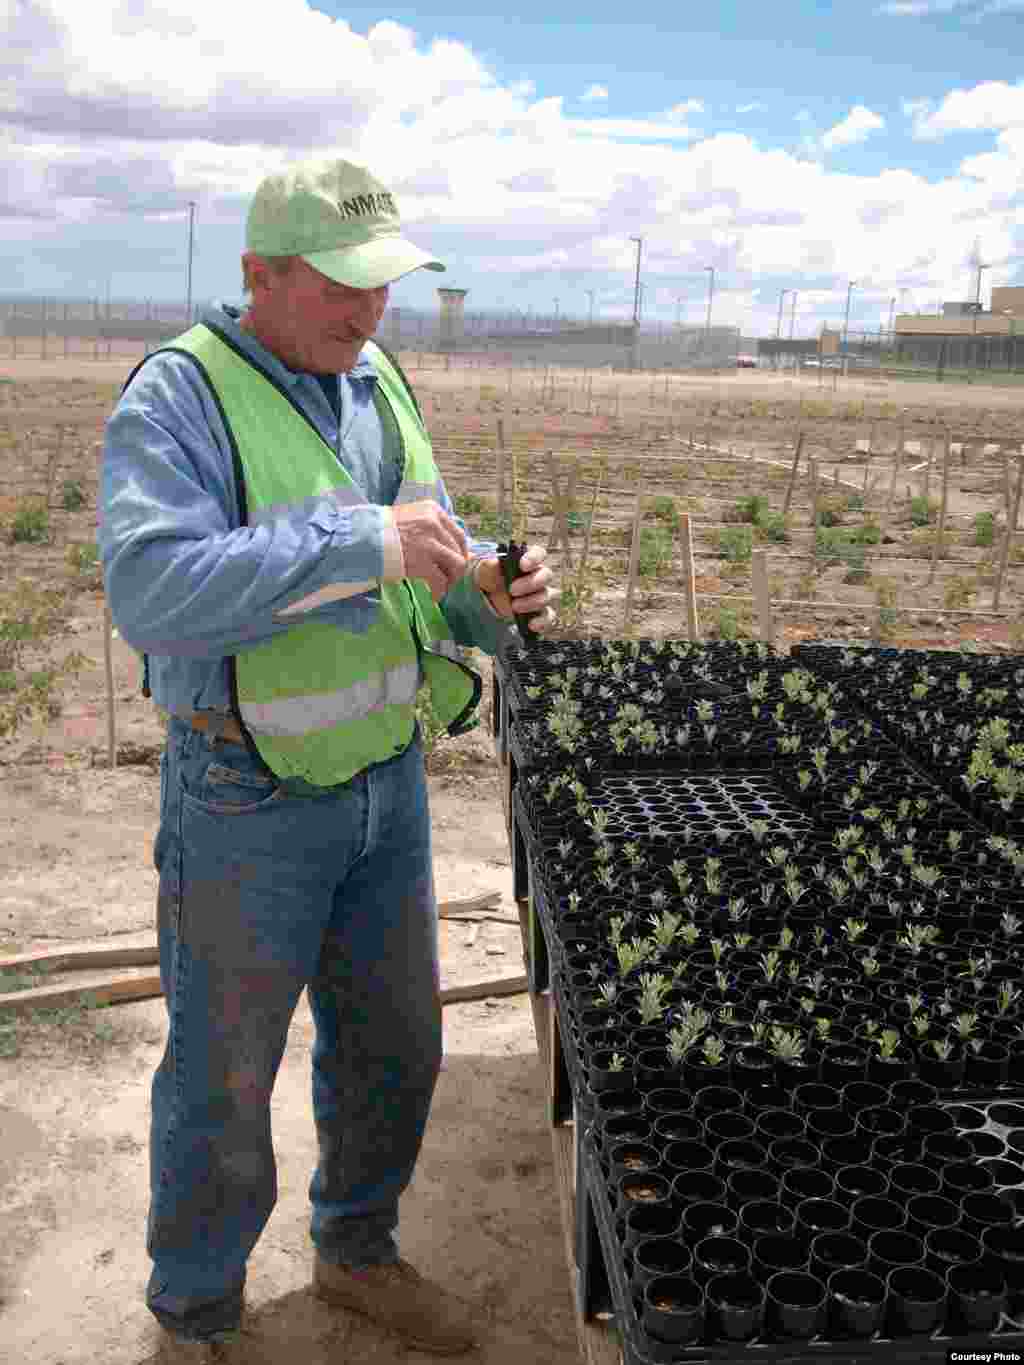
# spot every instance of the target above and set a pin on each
(531, 591)
(433, 546)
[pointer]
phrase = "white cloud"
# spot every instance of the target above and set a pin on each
(991, 105)
(750, 108)
(649, 130)
(858, 125)
(680, 111)
(114, 115)
(595, 92)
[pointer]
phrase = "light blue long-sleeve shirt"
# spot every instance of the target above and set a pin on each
(189, 584)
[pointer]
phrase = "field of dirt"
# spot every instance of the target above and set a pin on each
(76, 838)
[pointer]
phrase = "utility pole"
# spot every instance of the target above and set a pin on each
(778, 320)
(892, 316)
(556, 312)
(679, 310)
(792, 313)
(711, 295)
(590, 294)
(846, 328)
(636, 287)
(191, 240)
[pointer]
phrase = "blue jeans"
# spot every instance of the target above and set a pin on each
(264, 890)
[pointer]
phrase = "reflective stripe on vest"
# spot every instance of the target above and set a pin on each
(320, 702)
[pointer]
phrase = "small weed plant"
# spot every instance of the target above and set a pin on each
(31, 523)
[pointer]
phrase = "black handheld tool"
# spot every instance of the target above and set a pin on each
(509, 556)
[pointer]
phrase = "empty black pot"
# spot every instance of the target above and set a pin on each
(832, 1251)
(929, 1212)
(887, 1250)
(629, 1158)
(714, 1256)
(658, 1256)
(874, 1213)
(765, 1216)
(743, 1187)
(776, 1251)
(650, 1220)
(641, 1189)
(856, 1302)
(945, 1248)
(696, 1187)
(856, 1182)
(736, 1305)
(917, 1299)
(673, 1309)
(707, 1220)
(804, 1182)
(795, 1304)
(978, 1295)
(909, 1178)
(983, 1211)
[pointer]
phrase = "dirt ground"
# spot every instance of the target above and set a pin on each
(76, 864)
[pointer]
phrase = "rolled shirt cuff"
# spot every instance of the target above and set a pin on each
(392, 558)
(474, 574)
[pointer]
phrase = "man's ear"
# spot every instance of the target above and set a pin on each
(255, 273)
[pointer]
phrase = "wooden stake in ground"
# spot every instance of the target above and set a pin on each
(500, 471)
(634, 561)
(940, 532)
(581, 577)
(560, 520)
(1011, 527)
(892, 482)
(812, 466)
(108, 669)
(689, 586)
(792, 473)
(762, 596)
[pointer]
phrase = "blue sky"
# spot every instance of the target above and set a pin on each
(795, 145)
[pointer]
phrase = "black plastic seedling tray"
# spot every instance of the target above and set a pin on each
(595, 1216)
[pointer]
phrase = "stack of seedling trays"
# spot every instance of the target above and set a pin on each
(960, 716)
(787, 968)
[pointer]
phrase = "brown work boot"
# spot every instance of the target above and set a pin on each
(175, 1350)
(398, 1298)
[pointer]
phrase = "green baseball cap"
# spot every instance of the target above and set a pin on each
(337, 217)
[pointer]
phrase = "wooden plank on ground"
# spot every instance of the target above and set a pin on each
(83, 956)
(127, 987)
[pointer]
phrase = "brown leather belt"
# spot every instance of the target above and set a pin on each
(214, 723)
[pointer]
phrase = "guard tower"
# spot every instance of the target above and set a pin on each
(452, 317)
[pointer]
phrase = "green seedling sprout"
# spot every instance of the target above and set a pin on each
(769, 963)
(788, 1045)
(1007, 997)
(713, 1050)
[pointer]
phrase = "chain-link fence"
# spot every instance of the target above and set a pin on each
(55, 327)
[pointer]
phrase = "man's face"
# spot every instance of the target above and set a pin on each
(310, 322)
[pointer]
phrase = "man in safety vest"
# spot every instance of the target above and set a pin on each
(279, 545)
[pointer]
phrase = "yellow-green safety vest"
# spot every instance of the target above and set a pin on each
(319, 702)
